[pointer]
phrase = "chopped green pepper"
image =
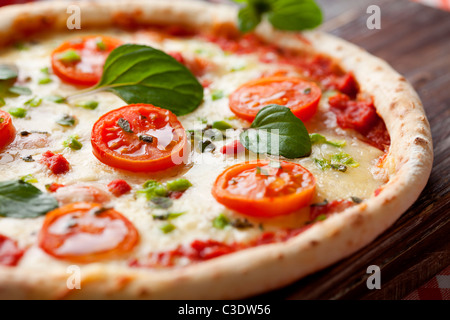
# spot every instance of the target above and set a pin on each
(90, 104)
(178, 185)
(18, 112)
(73, 143)
(69, 56)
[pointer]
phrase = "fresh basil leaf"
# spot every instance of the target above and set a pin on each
(220, 222)
(8, 75)
(277, 131)
(344, 158)
(178, 185)
(66, 120)
(318, 138)
(295, 15)
(19, 90)
(153, 189)
(19, 199)
(8, 71)
(167, 228)
(142, 74)
(248, 18)
(168, 216)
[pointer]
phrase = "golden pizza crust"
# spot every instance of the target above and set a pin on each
(267, 267)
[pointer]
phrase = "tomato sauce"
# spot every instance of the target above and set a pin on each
(360, 115)
(202, 250)
(328, 208)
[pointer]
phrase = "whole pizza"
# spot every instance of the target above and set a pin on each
(183, 150)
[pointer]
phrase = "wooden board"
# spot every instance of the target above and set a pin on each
(415, 40)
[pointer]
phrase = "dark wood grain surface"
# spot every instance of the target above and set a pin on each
(415, 40)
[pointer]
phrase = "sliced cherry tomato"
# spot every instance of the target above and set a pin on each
(257, 188)
(7, 130)
(301, 96)
(139, 137)
(80, 61)
(86, 232)
(10, 253)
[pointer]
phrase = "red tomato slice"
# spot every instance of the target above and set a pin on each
(139, 137)
(86, 232)
(256, 188)
(10, 253)
(301, 96)
(92, 52)
(7, 130)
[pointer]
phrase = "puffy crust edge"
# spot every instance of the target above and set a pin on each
(263, 268)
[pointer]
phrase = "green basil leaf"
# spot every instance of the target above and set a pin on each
(248, 18)
(220, 222)
(66, 120)
(295, 15)
(8, 72)
(20, 90)
(168, 216)
(277, 131)
(19, 199)
(318, 138)
(142, 74)
(167, 228)
(8, 75)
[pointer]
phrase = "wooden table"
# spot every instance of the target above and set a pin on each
(415, 40)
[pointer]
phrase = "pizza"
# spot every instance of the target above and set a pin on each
(163, 154)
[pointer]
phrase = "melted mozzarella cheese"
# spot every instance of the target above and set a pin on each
(227, 73)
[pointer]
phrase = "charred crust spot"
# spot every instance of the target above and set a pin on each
(399, 89)
(402, 79)
(392, 105)
(339, 48)
(420, 141)
(314, 243)
(128, 20)
(378, 68)
(143, 292)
